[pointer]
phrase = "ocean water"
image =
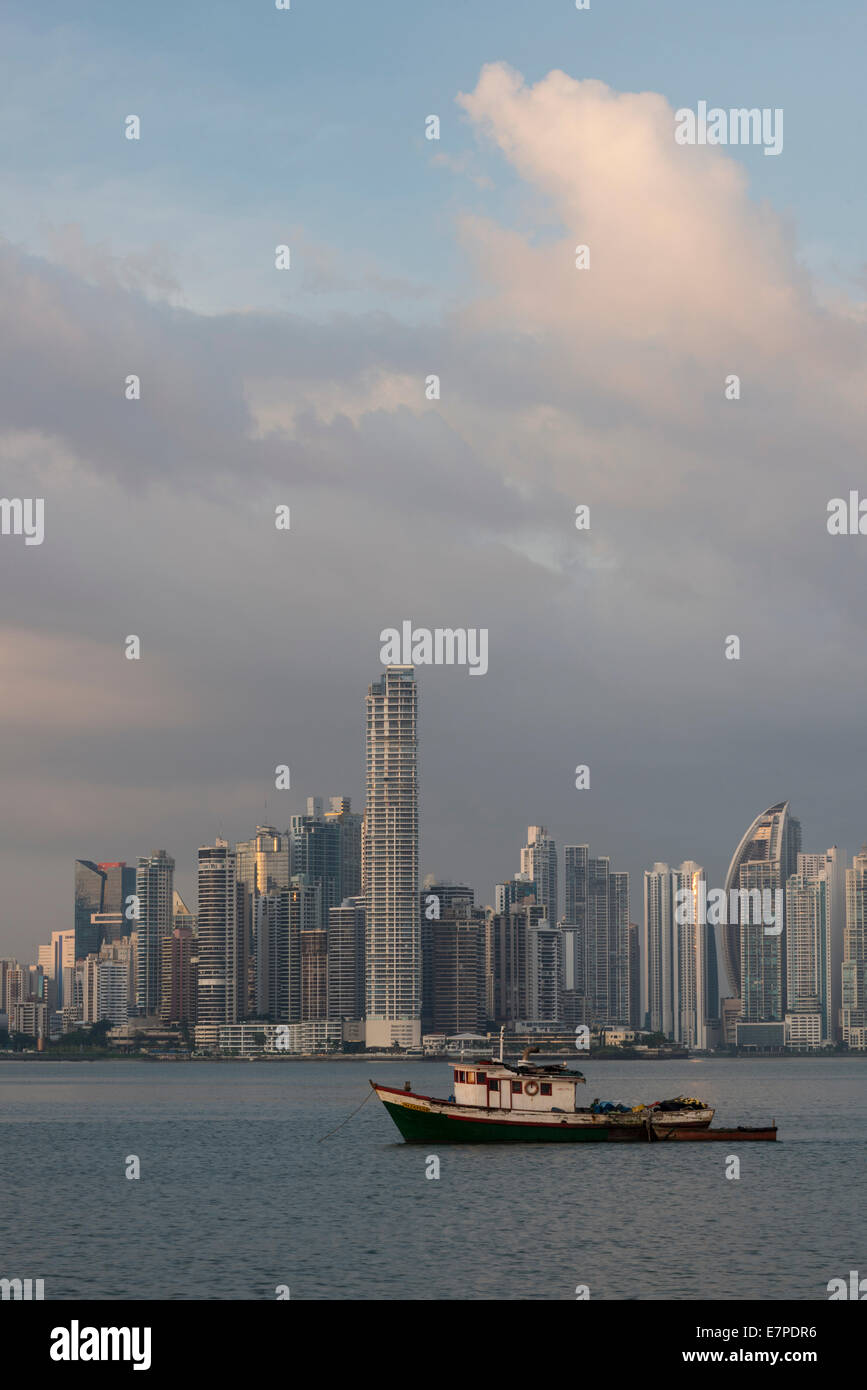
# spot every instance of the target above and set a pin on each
(237, 1196)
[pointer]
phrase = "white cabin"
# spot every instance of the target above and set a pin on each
(494, 1086)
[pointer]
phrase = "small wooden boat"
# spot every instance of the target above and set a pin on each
(530, 1103)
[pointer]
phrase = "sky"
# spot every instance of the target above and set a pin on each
(306, 388)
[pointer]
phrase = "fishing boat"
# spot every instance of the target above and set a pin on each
(529, 1102)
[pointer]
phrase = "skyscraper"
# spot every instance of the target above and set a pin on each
(437, 901)
(348, 823)
(508, 940)
(854, 968)
(222, 962)
(764, 860)
(99, 888)
(178, 977)
(346, 960)
(393, 947)
(458, 969)
(315, 846)
(154, 886)
(539, 863)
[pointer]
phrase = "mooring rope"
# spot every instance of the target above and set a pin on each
(370, 1093)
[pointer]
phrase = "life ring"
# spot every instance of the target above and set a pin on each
(531, 1088)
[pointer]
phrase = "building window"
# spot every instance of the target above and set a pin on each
(545, 1088)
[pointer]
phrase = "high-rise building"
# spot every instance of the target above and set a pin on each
(315, 846)
(679, 989)
(99, 888)
(853, 1016)
(635, 1014)
(437, 901)
(512, 891)
(539, 863)
(349, 824)
(765, 859)
(178, 977)
(89, 887)
(314, 975)
(660, 951)
(457, 963)
(263, 862)
(508, 935)
(222, 954)
(346, 960)
(544, 973)
(596, 969)
(393, 947)
(808, 959)
(262, 867)
(113, 992)
(154, 886)
(831, 865)
(281, 920)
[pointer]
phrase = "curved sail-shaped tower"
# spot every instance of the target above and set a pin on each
(770, 849)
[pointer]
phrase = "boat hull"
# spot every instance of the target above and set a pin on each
(425, 1120)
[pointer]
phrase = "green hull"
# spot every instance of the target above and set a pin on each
(422, 1127)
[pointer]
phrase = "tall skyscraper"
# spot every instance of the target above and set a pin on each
(508, 939)
(832, 866)
(544, 973)
(539, 863)
(222, 957)
(437, 901)
(596, 972)
(679, 988)
(262, 867)
(458, 969)
(154, 886)
(393, 947)
(315, 846)
(854, 967)
(99, 888)
(346, 960)
(178, 975)
(765, 859)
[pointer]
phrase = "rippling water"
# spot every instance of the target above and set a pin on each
(236, 1196)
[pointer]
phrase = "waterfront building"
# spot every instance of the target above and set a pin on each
(765, 859)
(539, 865)
(154, 887)
(393, 938)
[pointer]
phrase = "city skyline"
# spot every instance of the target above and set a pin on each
(298, 926)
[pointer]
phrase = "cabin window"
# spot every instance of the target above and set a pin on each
(517, 1087)
(482, 1077)
(545, 1088)
(494, 1085)
(459, 1076)
(471, 1078)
